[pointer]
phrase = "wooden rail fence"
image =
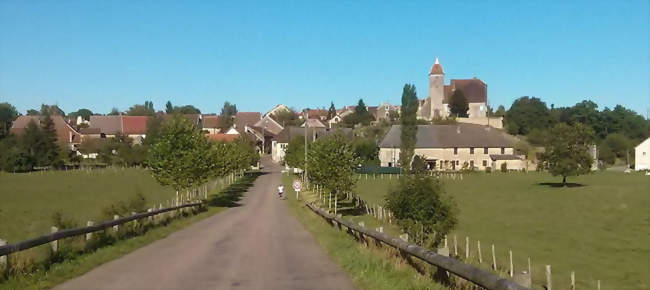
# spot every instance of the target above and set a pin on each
(58, 235)
(468, 272)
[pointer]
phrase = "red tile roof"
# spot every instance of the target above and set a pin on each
(64, 132)
(134, 125)
(210, 121)
(436, 69)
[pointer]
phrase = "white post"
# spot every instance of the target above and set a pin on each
(512, 272)
(54, 244)
(89, 235)
(466, 248)
(494, 259)
(380, 229)
(480, 256)
(329, 204)
(455, 246)
(445, 241)
(573, 280)
(404, 237)
(549, 282)
(335, 203)
(3, 259)
(598, 285)
(116, 227)
(529, 269)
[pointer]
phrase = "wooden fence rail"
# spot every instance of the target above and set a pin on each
(24, 245)
(473, 274)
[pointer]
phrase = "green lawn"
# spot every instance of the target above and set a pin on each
(28, 201)
(368, 267)
(600, 230)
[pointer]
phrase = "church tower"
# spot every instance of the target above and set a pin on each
(437, 91)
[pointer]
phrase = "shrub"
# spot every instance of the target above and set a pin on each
(488, 169)
(504, 167)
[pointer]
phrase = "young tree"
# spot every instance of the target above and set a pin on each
(295, 154)
(179, 156)
(331, 112)
(458, 104)
(331, 162)
(51, 110)
(422, 208)
(567, 150)
(501, 111)
(286, 118)
(227, 117)
(50, 149)
(408, 120)
(8, 114)
(361, 113)
(366, 150)
(114, 112)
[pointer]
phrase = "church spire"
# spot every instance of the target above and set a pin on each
(436, 69)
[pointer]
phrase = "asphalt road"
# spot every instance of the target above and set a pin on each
(258, 245)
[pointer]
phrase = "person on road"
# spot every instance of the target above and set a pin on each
(281, 191)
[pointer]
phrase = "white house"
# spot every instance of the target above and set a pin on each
(642, 156)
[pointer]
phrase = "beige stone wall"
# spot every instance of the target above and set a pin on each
(494, 122)
(278, 151)
(642, 156)
(510, 164)
(477, 110)
(446, 158)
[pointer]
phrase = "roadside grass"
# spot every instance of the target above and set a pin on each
(599, 228)
(369, 267)
(49, 276)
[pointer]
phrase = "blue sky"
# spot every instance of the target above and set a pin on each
(101, 54)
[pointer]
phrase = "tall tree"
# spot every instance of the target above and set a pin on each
(227, 117)
(295, 154)
(8, 114)
(408, 121)
(331, 112)
(51, 110)
(169, 109)
(187, 109)
(526, 114)
(458, 105)
(50, 147)
(567, 150)
(114, 112)
(362, 115)
(141, 110)
(331, 162)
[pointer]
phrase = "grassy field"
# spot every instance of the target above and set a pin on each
(599, 228)
(369, 268)
(30, 200)
(220, 198)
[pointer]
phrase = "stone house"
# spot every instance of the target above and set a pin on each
(642, 156)
(454, 147)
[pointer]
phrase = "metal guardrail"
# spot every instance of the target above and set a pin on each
(468, 272)
(27, 244)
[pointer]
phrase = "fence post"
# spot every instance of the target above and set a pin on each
(467, 248)
(116, 227)
(404, 237)
(480, 256)
(494, 259)
(529, 269)
(455, 246)
(89, 235)
(380, 229)
(512, 272)
(336, 199)
(573, 280)
(54, 244)
(549, 282)
(598, 285)
(3, 259)
(329, 204)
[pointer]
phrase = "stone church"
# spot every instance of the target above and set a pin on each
(435, 105)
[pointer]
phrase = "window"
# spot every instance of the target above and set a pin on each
(457, 162)
(484, 163)
(455, 150)
(485, 150)
(390, 164)
(471, 150)
(503, 150)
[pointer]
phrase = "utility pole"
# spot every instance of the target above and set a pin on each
(306, 115)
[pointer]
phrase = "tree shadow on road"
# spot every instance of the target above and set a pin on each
(231, 195)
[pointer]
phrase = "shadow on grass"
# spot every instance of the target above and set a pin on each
(230, 196)
(559, 184)
(348, 208)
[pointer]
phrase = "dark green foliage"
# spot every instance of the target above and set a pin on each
(32, 112)
(422, 208)
(504, 167)
(169, 109)
(51, 110)
(154, 126)
(419, 165)
(458, 105)
(13, 156)
(84, 113)
(63, 222)
(227, 117)
(527, 114)
(286, 118)
(142, 110)
(187, 109)
(408, 120)
(567, 150)
(331, 112)
(618, 144)
(331, 162)
(8, 114)
(606, 154)
(114, 112)
(366, 150)
(500, 112)
(295, 152)
(359, 116)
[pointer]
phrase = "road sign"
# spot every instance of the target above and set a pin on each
(297, 185)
